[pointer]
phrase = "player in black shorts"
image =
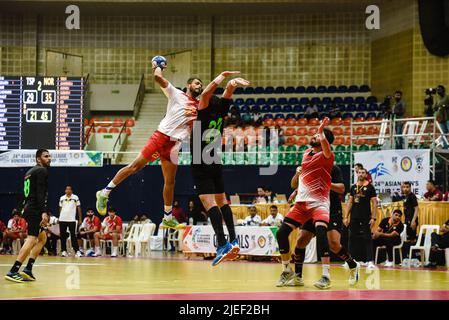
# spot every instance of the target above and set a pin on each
(35, 210)
(205, 143)
(333, 233)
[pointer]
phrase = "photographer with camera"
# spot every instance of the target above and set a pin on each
(441, 109)
(398, 112)
(386, 107)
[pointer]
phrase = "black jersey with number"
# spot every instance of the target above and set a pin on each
(335, 201)
(205, 140)
(35, 189)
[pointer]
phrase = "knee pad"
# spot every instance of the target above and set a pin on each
(321, 241)
(282, 238)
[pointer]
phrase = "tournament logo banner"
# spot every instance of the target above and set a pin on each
(59, 158)
(389, 168)
(257, 241)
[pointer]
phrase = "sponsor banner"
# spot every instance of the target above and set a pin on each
(389, 168)
(257, 241)
(59, 158)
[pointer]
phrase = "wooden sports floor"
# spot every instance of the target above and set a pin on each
(171, 276)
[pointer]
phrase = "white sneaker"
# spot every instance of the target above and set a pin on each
(354, 275)
(97, 254)
(78, 254)
(389, 264)
(363, 264)
(64, 254)
(113, 254)
(345, 265)
(370, 266)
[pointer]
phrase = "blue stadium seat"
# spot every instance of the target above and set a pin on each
(315, 100)
(282, 101)
(259, 90)
(219, 91)
(371, 115)
(290, 90)
(279, 90)
(328, 108)
(337, 100)
(279, 116)
(293, 101)
(234, 108)
(348, 100)
(301, 116)
(353, 88)
(350, 107)
(359, 100)
(248, 90)
(380, 115)
(261, 101)
(331, 89)
(371, 99)
(300, 89)
(298, 108)
(276, 109)
(320, 107)
(342, 107)
(271, 101)
(342, 89)
(304, 100)
(361, 107)
(269, 90)
(347, 115)
(250, 101)
(238, 101)
(287, 108)
(321, 89)
(364, 88)
(372, 107)
(266, 108)
(268, 116)
(255, 108)
(310, 89)
(359, 115)
(290, 116)
(238, 90)
(244, 109)
(326, 100)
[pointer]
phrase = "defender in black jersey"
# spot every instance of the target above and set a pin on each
(205, 143)
(35, 187)
(333, 233)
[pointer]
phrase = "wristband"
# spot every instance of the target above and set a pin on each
(219, 79)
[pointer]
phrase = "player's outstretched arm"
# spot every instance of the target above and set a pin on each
(209, 90)
(325, 146)
(158, 77)
(232, 85)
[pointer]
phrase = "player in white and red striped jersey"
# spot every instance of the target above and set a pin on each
(312, 202)
(91, 224)
(111, 229)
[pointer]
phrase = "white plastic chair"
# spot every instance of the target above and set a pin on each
(429, 228)
(398, 247)
(143, 242)
(133, 236)
(175, 237)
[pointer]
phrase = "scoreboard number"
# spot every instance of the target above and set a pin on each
(48, 96)
(30, 96)
(39, 115)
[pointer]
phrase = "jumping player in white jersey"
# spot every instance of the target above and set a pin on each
(165, 141)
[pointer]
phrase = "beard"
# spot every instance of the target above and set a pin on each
(196, 92)
(315, 144)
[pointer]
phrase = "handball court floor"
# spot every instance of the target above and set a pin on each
(172, 276)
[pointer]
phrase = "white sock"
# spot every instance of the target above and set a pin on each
(106, 191)
(286, 266)
(114, 250)
(168, 209)
(97, 250)
(326, 271)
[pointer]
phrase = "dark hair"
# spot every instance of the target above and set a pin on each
(261, 187)
(431, 181)
(329, 135)
(39, 152)
(69, 186)
(442, 87)
(191, 79)
(90, 209)
(407, 183)
(273, 206)
(359, 165)
(15, 212)
(111, 209)
(397, 211)
(398, 91)
(267, 188)
(364, 169)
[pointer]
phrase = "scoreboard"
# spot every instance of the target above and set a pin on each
(41, 112)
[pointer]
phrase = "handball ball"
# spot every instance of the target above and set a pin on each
(161, 62)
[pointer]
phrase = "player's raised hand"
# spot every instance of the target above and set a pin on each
(324, 123)
(239, 82)
(229, 73)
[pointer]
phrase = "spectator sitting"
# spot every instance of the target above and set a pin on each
(144, 219)
(433, 193)
(438, 242)
(253, 219)
(195, 213)
(274, 219)
(269, 196)
(111, 229)
(16, 229)
(311, 111)
(135, 220)
(260, 195)
(178, 212)
(91, 225)
(388, 234)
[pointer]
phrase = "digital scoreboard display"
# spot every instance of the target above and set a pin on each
(41, 112)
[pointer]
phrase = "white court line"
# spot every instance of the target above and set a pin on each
(59, 263)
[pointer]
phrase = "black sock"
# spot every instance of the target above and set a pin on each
(30, 264)
(300, 255)
(344, 255)
(217, 223)
(16, 267)
(229, 220)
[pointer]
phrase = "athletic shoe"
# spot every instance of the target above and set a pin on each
(90, 253)
(78, 254)
(354, 275)
(170, 223)
(294, 281)
(64, 254)
(388, 264)
(323, 283)
(96, 254)
(370, 265)
(14, 277)
(27, 275)
(114, 255)
(222, 253)
(345, 265)
(430, 265)
(234, 251)
(102, 203)
(284, 278)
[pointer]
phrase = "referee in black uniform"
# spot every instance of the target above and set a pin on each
(35, 210)
(206, 167)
